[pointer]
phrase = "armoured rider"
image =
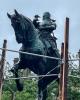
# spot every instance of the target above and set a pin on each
(46, 29)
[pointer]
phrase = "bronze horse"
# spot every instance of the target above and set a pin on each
(26, 34)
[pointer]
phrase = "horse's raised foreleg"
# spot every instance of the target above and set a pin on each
(14, 70)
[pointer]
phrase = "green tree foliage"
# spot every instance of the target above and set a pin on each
(74, 79)
(29, 92)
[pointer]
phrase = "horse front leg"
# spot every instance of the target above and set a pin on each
(14, 70)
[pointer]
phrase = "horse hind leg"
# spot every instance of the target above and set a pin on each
(41, 95)
(44, 91)
(57, 98)
(39, 92)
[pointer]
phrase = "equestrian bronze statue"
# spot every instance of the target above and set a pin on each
(31, 40)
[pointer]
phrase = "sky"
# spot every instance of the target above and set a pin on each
(59, 9)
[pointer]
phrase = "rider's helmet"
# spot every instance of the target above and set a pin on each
(46, 15)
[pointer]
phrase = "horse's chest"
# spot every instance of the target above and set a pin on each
(30, 54)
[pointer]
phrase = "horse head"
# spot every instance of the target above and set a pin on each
(22, 27)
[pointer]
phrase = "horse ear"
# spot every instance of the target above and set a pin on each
(9, 16)
(16, 12)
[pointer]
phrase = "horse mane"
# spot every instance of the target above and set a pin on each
(26, 19)
(32, 32)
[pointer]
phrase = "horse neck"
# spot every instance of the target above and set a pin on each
(32, 34)
(31, 37)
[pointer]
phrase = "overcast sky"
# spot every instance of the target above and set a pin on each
(59, 9)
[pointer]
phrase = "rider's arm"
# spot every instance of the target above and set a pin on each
(51, 27)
